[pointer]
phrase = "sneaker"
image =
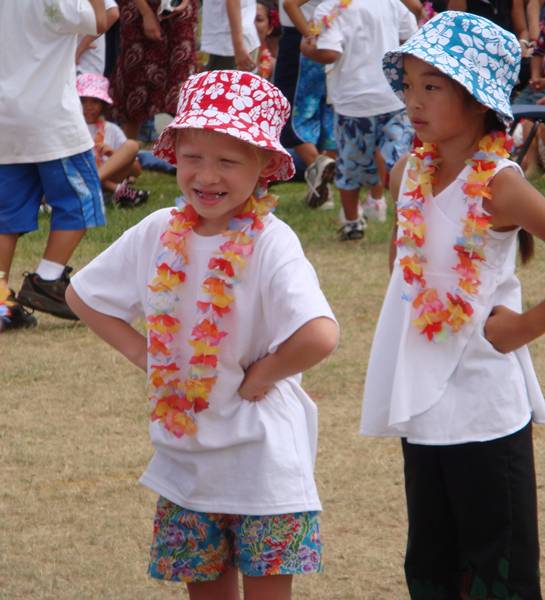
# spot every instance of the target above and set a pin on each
(126, 196)
(317, 176)
(342, 217)
(46, 296)
(375, 209)
(353, 230)
(329, 204)
(18, 317)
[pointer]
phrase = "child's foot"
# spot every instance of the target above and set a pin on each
(342, 217)
(318, 175)
(375, 209)
(18, 316)
(46, 296)
(353, 230)
(126, 196)
(329, 204)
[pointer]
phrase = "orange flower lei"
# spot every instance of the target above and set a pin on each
(437, 316)
(325, 22)
(176, 402)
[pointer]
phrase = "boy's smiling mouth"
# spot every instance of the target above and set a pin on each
(210, 198)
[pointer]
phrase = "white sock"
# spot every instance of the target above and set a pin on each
(356, 222)
(49, 270)
(371, 200)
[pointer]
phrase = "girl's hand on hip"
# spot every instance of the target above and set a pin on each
(255, 386)
(504, 329)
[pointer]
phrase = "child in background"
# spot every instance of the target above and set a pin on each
(234, 314)
(368, 115)
(91, 50)
(309, 131)
(268, 30)
(460, 388)
(45, 149)
(115, 155)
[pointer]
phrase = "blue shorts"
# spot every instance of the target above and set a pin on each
(194, 546)
(69, 185)
(359, 137)
(303, 82)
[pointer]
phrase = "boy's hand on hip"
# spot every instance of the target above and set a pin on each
(504, 329)
(255, 385)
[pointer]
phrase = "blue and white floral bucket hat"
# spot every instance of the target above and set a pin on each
(471, 50)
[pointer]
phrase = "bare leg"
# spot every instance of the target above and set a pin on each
(349, 200)
(377, 191)
(223, 588)
(8, 242)
(270, 587)
(61, 245)
(307, 153)
(119, 164)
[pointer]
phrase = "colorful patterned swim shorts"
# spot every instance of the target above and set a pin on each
(193, 546)
(359, 137)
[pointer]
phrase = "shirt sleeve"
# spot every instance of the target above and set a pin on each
(407, 23)
(111, 283)
(330, 38)
(115, 136)
(292, 298)
(67, 17)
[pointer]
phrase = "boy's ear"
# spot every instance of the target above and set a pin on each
(272, 165)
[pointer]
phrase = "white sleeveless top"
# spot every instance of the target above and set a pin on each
(462, 389)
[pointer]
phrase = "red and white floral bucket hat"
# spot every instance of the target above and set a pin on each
(93, 85)
(236, 103)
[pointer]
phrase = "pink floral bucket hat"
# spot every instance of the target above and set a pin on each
(236, 103)
(92, 85)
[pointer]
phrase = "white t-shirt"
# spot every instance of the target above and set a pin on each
(460, 389)
(307, 9)
(216, 33)
(113, 134)
(93, 60)
(246, 457)
(40, 112)
(363, 32)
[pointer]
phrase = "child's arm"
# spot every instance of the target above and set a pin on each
(100, 15)
(309, 345)
(294, 12)
(112, 15)
(243, 60)
(152, 28)
(116, 332)
(416, 7)
(515, 202)
(322, 56)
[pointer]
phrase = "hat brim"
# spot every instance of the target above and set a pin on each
(494, 98)
(165, 146)
(104, 98)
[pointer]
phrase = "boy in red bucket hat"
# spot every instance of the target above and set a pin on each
(234, 314)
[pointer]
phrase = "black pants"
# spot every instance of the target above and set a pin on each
(472, 514)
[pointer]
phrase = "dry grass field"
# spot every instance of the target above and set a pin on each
(75, 523)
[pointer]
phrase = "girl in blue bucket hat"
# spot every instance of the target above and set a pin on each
(450, 372)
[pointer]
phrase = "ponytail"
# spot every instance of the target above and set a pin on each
(526, 246)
